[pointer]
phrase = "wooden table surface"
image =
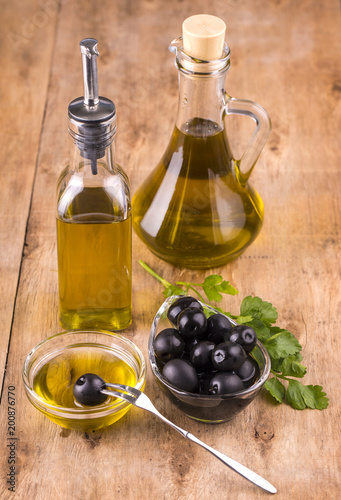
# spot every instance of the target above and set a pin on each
(286, 56)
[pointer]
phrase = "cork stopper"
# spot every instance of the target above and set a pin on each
(203, 37)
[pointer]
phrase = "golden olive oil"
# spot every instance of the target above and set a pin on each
(54, 381)
(94, 271)
(194, 210)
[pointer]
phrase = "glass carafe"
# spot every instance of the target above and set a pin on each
(197, 208)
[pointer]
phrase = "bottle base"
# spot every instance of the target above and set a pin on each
(110, 320)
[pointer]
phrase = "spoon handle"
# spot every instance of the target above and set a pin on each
(241, 469)
(144, 402)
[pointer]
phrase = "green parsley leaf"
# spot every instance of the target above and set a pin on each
(214, 286)
(259, 309)
(242, 320)
(282, 344)
(292, 368)
(226, 287)
(173, 290)
(276, 364)
(301, 396)
(213, 279)
(321, 400)
(276, 389)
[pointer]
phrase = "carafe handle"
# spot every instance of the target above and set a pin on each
(259, 137)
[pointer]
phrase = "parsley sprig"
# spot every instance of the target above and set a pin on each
(283, 347)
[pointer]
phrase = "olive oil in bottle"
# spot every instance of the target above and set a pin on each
(93, 216)
(94, 272)
(205, 216)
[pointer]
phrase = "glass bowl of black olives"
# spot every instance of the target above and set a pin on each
(60, 372)
(208, 366)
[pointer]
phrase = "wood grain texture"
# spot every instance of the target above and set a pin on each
(285, 55)
(26, 50)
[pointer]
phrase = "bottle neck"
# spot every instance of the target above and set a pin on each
(93, 163)
(201, 97)
(92, 138)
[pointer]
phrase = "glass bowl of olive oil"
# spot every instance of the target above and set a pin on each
(54, 365)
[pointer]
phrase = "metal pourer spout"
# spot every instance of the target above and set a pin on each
(89, 59)
(90, 79)
(92, 118)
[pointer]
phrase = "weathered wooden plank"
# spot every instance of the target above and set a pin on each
(26, 50)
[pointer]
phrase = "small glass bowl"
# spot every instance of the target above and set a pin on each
(211, 408)
(53, 366)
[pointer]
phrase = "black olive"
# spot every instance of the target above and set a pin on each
(228, 356)
(179, 305)
(225, 383)
(87, 390)
(247, 371)
(243, 335)
(189, 344)
(181, 374)
(217, 326)
(192, 323)
(201, 356)
(169, 345)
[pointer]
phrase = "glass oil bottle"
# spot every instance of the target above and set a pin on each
(93, 215)
(197, 208)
